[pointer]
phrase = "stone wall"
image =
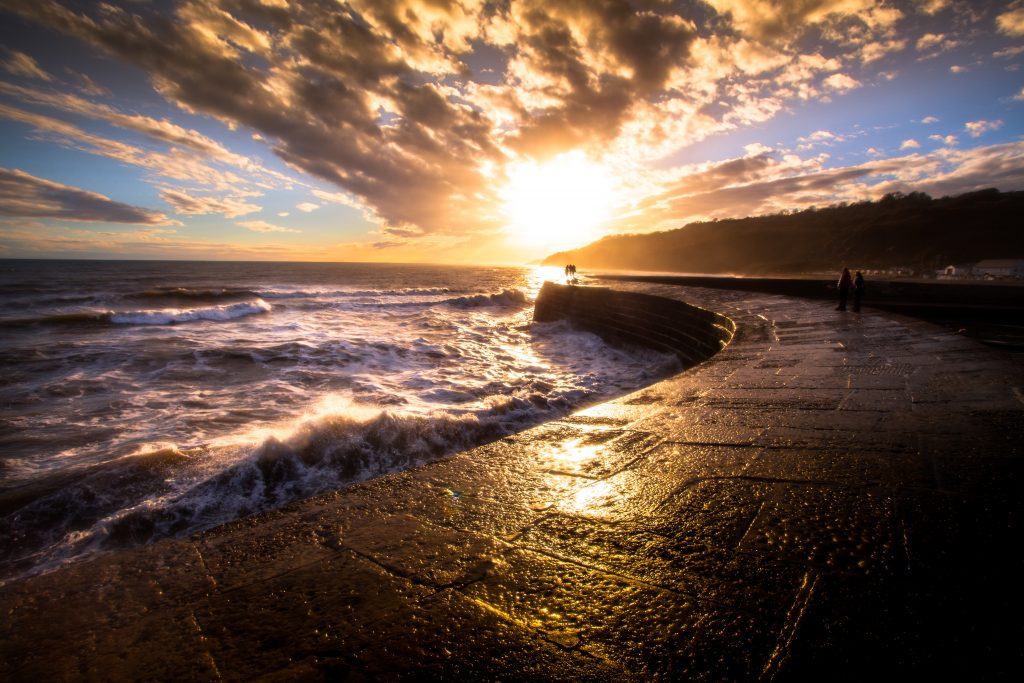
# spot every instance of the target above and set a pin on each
(627, 318)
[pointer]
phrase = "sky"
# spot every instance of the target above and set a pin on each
(491, 132)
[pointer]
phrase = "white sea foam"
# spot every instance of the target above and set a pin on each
(506, 297)
(167, 316)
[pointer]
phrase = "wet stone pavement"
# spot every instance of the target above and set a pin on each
(832, 497)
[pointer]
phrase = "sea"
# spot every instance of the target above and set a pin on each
(141, 400)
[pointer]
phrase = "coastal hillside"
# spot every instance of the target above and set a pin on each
(911, 231)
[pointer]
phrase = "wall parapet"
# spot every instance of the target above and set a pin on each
(690, 333)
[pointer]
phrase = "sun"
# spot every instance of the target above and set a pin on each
(558, 204)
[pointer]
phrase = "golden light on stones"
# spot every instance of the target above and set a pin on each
(572, 485)
(591, 500)
(571, 457)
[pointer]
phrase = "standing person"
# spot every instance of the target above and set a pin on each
(844, 289)
(858, 291)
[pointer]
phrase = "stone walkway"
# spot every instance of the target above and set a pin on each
(833, 497)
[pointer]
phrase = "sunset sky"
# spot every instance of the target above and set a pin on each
(483, 132)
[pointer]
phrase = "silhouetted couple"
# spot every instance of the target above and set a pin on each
(845, 282)
(570, 273)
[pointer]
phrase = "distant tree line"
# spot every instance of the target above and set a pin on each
(899, 230)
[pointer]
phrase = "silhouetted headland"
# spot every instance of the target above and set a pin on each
(908, 234)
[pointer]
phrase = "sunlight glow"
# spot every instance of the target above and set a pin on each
(558, 204)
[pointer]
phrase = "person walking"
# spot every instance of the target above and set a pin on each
(858, 291)
(844, 289)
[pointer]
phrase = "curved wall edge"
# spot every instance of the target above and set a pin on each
(691, 333)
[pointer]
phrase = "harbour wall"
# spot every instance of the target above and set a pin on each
(991, 312)
(690, 333)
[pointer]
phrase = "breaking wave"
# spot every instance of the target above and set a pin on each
(167, 316)
(505, 298)
(160, 316)
(170, 491)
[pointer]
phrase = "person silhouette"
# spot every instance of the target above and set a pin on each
(844, 289)
(858, 291)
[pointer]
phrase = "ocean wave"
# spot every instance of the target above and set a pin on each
(167, 316)
(75, 318)
(506, 298)
(200, 294)
(175, 492)
(342, 293)
(404, 300)
(161, 316)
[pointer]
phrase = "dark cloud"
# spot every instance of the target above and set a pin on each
(601, 59)
(25, 195)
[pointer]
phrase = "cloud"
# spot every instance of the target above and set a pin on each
(89, 86)
(978, 128)
(21, 64)
(875, 50)
(307, 206)
(176, 164)
(1009, 52)
(910, 144)
(783, 21)
(1019, 96)
(957, 69)
(841, 82)
(157, 129)
(756, 149)
(1011, 23)
(263, 226)
(824, 138)
(935, 43)
(932, 6)
(929, 120)
(25, 195)
(332, 197)
(944, 139)
(184, 203)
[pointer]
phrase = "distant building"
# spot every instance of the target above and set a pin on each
(954, 271)
(999, 268)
